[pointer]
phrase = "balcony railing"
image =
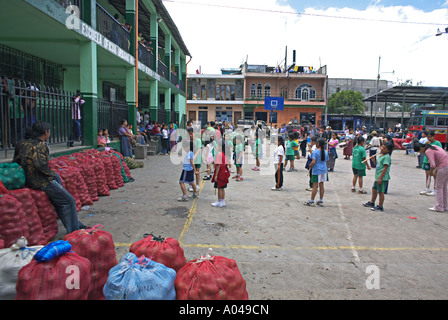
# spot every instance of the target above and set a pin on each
(145, 56)
(112, 29)
(292, 97)
(163, 70)
(174, 79)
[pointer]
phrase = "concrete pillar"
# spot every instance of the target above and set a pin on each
(89, 90)
(154, 99)
(168, 104)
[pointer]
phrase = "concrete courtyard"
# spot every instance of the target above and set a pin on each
(284, 250)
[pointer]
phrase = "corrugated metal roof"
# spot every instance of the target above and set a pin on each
(412, 94)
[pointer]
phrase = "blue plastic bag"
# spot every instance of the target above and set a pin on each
(140, 279)
(52, 250)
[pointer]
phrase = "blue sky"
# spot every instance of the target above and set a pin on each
(425, 5)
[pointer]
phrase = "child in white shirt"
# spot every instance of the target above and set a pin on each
(279, 156)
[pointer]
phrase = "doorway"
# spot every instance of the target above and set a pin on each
(203, 118)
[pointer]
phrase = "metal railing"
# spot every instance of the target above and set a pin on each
(145, 56)
(110, 115)
(23, 103)
(289, 97)
(174, 79)
(111, 28)
(163, 70)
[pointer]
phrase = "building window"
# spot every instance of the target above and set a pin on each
(203, 92)
(259, 90)
(252, 90)
(284, 92)
(305, 92)
(267, 90)
(225, 92)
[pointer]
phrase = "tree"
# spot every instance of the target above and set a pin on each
(346, 102)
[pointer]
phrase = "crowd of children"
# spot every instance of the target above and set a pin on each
(218, 149)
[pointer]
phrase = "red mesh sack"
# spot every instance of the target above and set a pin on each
(3, 189)
(116, 164)
(101, 180)
(65, 277)
(70, 184)
(36, 232)
(46, 212)
(12, 220)
(109, 169)
(2, 244)
(166, 251)
(88, 173)
(97, 246)
(210, 278)
(83, 192)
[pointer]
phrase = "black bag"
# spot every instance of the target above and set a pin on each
(308, 162)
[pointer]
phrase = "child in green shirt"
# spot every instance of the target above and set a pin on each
(382, 178)
(359, 165)
(290, 156)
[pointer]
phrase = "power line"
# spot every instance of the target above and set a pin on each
(301, 13)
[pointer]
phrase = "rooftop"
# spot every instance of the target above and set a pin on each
(412, 94)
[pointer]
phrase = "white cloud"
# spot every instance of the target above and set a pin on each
(219, 37)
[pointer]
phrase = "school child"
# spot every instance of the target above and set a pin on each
(382, 178)
(425, 165)
(311, 148)
(258, 148)
(197, 151)
(296, 148)
(438, 167)
(239, 151)
(319, 169)
(188, 172)
(290, 156)
(221, 175)
(209, 149)
(229, 146)
(358, 166)
(304, 142)
(374, 145)
(165, 141)
(279, 154)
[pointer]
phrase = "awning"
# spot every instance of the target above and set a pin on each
(412, 94)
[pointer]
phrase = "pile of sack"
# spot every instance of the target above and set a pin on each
(83, 266)
(29, 213)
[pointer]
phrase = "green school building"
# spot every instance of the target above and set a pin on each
(52, 49)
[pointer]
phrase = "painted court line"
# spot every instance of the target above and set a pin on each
(354, 249)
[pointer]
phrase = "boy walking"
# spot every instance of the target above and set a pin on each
(382, 178)
(188, 172)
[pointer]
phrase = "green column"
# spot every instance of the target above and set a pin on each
(154, 99)
(177, 65)
(130, 18)
(168, 55)
(89, 90)
(168, 104)
(131, 97)
(154, 30)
